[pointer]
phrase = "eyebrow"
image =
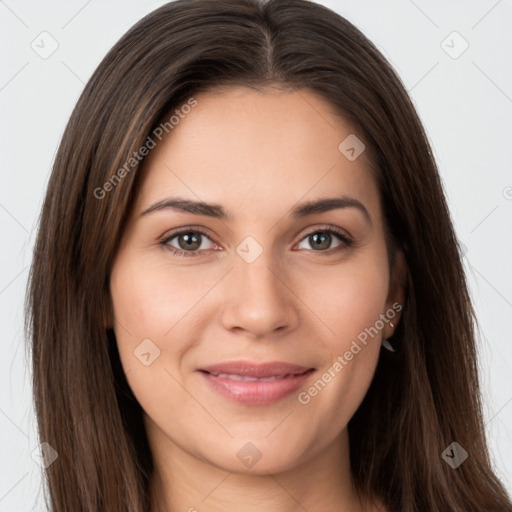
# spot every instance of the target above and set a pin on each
(218, 212)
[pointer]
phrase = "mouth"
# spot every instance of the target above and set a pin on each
(255, 383)
(243, 378)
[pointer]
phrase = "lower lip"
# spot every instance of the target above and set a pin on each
(256, 392)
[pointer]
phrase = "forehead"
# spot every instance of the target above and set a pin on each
(253, 150)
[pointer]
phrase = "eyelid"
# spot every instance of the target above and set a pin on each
(183, 229)
(327, 227)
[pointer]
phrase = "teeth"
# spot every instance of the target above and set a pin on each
(248, 379)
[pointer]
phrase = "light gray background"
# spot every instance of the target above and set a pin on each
(465, 104)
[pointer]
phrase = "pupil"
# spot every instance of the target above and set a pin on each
(190, 240)
(325, 238)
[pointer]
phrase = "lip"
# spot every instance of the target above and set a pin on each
(242, 380)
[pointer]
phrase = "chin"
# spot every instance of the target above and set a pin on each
(256, 456)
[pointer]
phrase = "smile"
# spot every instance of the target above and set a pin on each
(255, 384)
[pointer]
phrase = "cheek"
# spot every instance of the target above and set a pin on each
(140, 314)
(351, 307)
(348, 300)
(149, 299)
(145, 310)
(154, 302)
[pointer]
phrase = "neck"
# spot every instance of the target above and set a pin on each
(183, 482)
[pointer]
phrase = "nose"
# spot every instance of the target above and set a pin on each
(260, 299)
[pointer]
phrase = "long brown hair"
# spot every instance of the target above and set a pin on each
(423, 397)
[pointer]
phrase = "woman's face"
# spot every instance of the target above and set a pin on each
(263, 289)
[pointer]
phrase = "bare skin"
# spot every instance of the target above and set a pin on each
(259, 155)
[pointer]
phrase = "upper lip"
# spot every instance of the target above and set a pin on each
(257, 370)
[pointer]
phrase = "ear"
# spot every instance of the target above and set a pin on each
(396, 295)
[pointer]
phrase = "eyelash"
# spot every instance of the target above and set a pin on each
(346, 241)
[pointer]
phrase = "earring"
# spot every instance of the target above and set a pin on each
(386, 344)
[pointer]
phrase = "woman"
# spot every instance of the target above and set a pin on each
(246, 291)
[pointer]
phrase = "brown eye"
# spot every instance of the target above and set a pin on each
(322, 239)
(189, 242)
